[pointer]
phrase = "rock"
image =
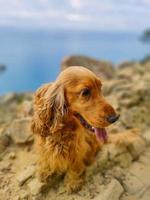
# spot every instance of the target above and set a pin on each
(23, 176)
(128, 71)
(100, 68)
(130, 94)
(12, 155)
(145, 157)
(9, 106)
(146, 195)
(113, 191)
(127, 97)
(15, 97)
(132, 184)
(125, 64)
(146, 136)
(136, 116)
(118, 155)
(5, 166)
(20, 131)
(109, 156)
(142, 172)
(9, 98)
(114, 150)
(4, 142)
(116, 85)
(137, 147)
(36, 187)
(24, 195)
(124, 160)
(142, 90)
(117, 172)
(133, 95)
(27, 108)
(129, 197)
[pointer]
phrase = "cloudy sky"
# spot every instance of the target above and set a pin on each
(129, 15)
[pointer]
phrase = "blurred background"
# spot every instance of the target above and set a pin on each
(36, 35)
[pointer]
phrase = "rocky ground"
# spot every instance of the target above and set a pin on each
(120, 172)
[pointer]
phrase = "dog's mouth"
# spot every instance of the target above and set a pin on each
(100, 133)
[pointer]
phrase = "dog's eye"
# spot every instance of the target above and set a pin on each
(86, 92)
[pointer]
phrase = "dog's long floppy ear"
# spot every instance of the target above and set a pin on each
(50, 109)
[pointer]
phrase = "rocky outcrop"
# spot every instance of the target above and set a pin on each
(101, 68)
(13, 106)
(113, 191)
(131, 91)
(20, 132)
(121, 170)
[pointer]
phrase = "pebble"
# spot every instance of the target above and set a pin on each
(113, 191)
(4, 142)
(12, 155)
(5, 166)
(23, 176)
(36, 187)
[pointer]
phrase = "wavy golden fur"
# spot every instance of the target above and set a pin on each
(65, 145)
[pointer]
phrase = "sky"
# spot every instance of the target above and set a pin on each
(124, 15)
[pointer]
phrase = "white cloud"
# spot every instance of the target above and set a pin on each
(78, 18)
(77, 4)
(29, 14)
(146, 2)
(88, 14)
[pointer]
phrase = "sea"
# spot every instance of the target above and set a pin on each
(33, 57)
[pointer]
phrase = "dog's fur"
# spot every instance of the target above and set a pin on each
(64, 144)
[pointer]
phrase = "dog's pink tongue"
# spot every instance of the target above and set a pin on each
(101, 134)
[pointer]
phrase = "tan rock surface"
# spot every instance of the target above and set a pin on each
(101, 68)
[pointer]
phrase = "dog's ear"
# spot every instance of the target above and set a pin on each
(50, 109)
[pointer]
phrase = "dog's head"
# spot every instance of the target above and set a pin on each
(76, 92)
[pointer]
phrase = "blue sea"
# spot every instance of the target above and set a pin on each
(34, 57)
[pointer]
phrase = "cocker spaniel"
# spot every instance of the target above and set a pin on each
(70, 116)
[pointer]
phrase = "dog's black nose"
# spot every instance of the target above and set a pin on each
(112, 118)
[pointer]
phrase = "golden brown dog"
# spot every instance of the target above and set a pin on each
(70, 116)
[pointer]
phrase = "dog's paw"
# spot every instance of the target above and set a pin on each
(74, 185)
(45, 176)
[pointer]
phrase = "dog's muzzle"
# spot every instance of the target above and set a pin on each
(100, 133)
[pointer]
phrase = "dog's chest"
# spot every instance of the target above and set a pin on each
(61, 144)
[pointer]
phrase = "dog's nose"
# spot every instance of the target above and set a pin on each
(112, 118)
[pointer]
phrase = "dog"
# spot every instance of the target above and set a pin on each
(70, 116)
